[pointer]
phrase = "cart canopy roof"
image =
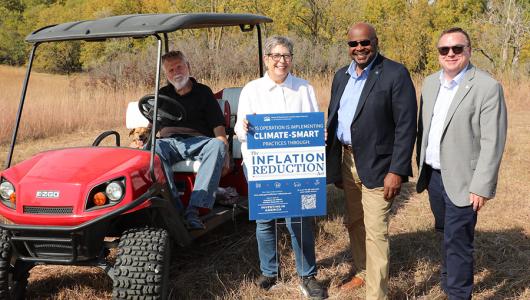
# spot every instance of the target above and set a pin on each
(139, 25)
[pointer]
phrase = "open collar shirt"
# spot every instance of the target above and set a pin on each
(447, 92)
(350, 99)
(263, 95)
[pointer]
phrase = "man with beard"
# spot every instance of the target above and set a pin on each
(200, 135)
(371, 131)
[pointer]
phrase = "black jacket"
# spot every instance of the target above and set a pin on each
(383, 128)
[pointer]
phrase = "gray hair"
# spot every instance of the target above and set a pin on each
(175, 54)
(274, 41)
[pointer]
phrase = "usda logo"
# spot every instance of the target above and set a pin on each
(47, 194)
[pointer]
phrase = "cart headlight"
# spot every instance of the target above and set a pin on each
(114, 191)
(7, 194)
(106, 194)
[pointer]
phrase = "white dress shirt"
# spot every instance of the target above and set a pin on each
(446, 94)
(263, 96)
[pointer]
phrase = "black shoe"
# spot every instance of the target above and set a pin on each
(266, 282)
(193, 222)
(311, 288)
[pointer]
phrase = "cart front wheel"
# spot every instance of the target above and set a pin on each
(142, 265)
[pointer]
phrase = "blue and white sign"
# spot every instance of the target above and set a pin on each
(286, 165)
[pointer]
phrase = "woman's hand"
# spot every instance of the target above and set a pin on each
(245, 125)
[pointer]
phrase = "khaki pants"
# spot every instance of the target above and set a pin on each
(367, 214)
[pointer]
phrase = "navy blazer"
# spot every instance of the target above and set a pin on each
(383, 128)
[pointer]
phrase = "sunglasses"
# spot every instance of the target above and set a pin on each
(363, 43)
(457, 49)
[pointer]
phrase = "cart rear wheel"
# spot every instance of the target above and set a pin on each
(142, 265)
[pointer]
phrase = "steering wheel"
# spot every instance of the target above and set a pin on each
(146, 105)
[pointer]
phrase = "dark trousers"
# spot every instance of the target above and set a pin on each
(458, 227)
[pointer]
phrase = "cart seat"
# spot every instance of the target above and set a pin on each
(228, 99)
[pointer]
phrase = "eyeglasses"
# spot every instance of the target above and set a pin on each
(363, 43)
(457, 49)
(277, 57)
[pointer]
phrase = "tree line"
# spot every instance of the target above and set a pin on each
(407, 30)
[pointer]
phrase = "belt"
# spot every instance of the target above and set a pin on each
(347, 147)
(433, 169)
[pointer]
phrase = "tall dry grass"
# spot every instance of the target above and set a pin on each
(223, 265)
(57, 105)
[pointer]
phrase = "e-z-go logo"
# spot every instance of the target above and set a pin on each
(47, 194)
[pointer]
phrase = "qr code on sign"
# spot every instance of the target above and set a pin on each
(309, 201)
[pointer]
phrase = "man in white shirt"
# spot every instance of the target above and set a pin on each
(280, 92)
(461, 137)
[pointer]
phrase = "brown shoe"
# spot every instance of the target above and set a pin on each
(354, 283)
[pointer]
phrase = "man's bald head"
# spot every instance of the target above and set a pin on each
(363, 43)
(364, 28)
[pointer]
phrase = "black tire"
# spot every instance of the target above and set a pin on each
(142, 264)
(5, 263)
(10, 287)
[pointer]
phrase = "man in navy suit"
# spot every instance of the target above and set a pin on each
(371, 132)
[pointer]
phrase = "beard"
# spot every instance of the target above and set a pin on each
(179, 82)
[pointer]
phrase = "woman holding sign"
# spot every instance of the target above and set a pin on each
(278, 91)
